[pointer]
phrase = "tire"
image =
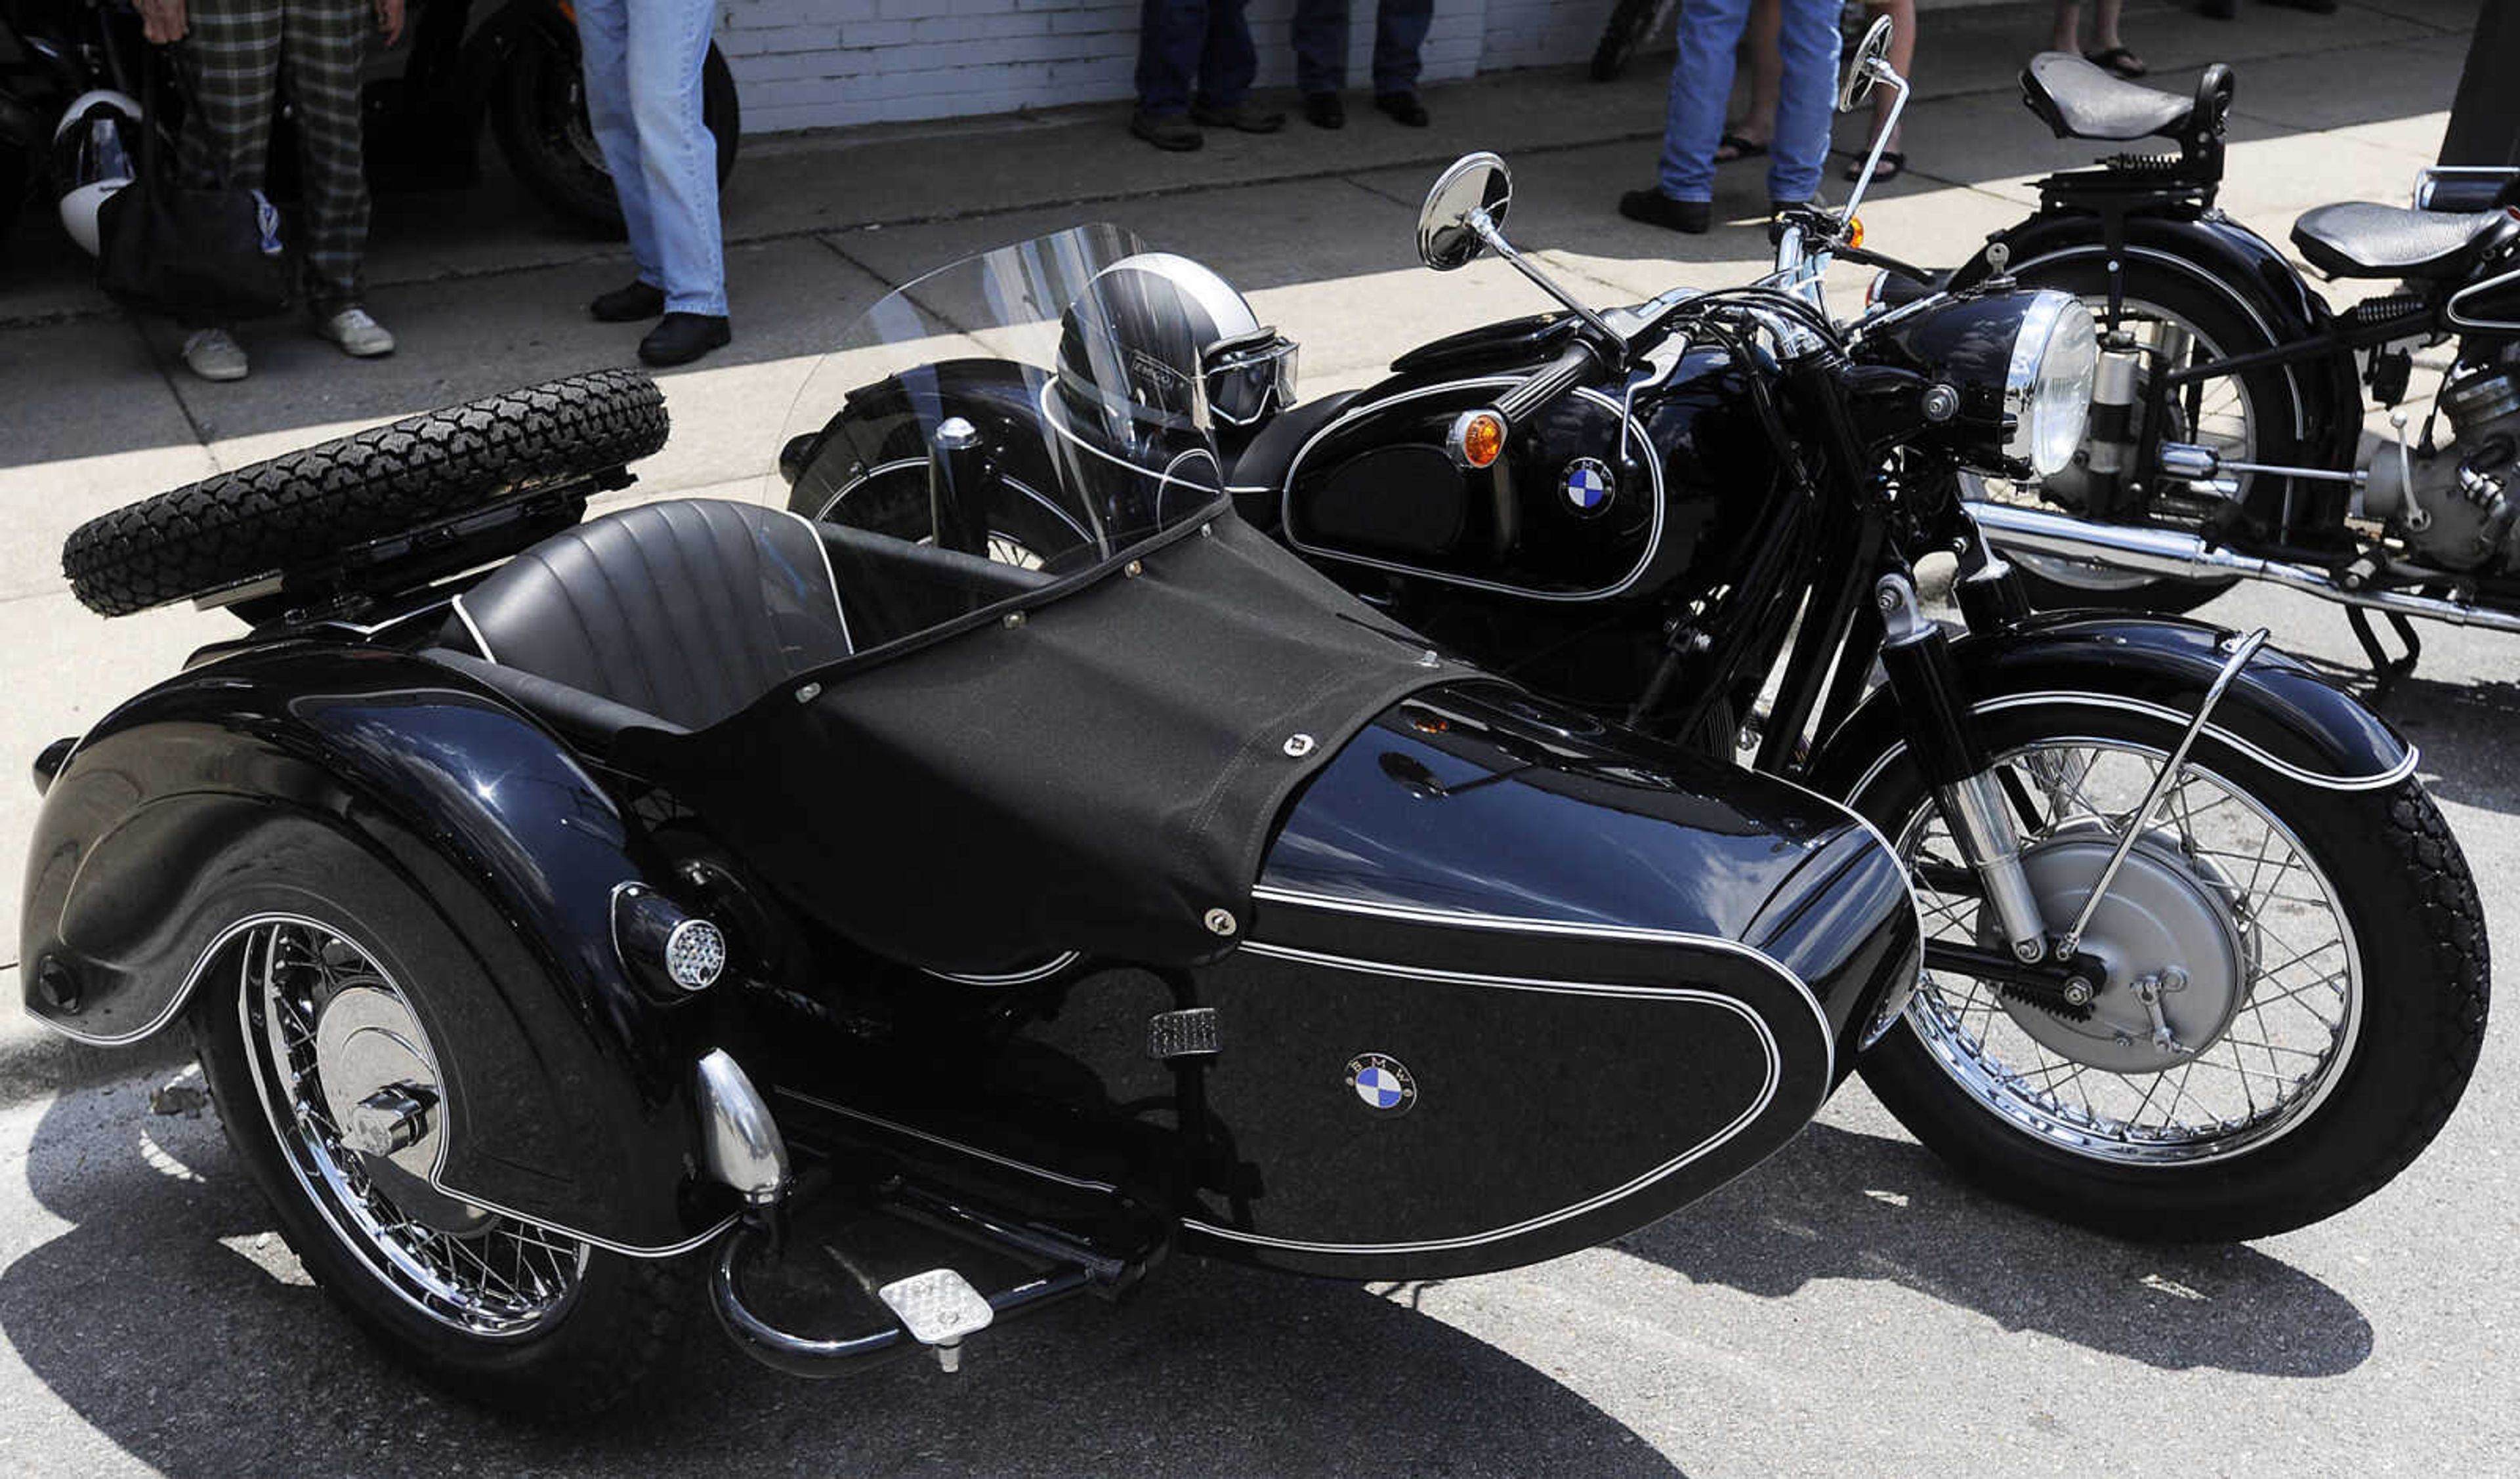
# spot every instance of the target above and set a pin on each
(538, 114)
(2264, 397)
(602, 1326)
(303, 506)
(1631, 24)
(2322, 1142)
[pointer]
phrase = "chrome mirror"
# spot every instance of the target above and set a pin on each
(1473, 191)
(1866, 69)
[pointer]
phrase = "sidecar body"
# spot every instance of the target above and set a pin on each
(1014, 908)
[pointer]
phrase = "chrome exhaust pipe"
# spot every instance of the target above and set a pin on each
(2186, 557)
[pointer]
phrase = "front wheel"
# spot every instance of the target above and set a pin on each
(2295, 998)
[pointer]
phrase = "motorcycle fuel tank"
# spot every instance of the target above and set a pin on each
(1597, 495)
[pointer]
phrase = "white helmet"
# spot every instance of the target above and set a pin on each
(92, 157)
(1249, 369)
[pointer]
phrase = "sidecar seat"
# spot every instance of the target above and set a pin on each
(687, 610)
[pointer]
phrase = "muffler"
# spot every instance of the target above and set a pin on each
(2174, 552)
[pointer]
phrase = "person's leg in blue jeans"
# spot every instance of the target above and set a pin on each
(1701, 88)
(1226, 65)
(642, 102)
(1172, 34)
(1806, 98)
(1319, 35)
(1399, 31)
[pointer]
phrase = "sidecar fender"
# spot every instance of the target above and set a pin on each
(569, 1093)
(2278, 711)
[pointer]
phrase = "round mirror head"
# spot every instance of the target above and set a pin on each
(1873, 51)
(1471, 184)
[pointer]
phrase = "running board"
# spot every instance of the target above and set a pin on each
(845, 1284)
(2186, 557)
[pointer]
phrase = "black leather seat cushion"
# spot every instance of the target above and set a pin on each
(2081, 101)
(687, 609)
(1259, 475)
(2362, 238)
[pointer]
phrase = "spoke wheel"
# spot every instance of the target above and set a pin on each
(325, 1028)
(2219, 917)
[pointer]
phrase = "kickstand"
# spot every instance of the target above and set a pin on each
(2385, 670)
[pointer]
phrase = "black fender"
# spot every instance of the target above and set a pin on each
(570, 1095)
(2276, 712)
(2235, 263)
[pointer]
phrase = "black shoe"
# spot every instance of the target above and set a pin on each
(628, 305)
(1325, 111)
(1655, 208)
(1241, 118)
(683, 337)
(2217, 10)
(1172, 133)
(1402, 108)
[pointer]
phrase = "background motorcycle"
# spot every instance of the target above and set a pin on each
(1649, 511)
(2227, 435)
(510, 63)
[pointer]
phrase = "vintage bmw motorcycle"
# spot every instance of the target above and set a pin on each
(2226, 431)
(2156, 858)
(899, 929)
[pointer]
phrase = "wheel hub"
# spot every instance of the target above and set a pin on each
(383, 1094)
(2173, 949)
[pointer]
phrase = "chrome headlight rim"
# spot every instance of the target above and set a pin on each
(2027, 416)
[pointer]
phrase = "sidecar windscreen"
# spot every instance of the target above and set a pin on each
(999, 430)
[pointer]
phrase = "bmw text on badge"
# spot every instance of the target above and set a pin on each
(1385, 1087)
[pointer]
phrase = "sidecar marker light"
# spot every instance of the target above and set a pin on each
(1477, 439)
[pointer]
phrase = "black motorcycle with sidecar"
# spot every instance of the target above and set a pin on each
(2157, 859)
(893, 931)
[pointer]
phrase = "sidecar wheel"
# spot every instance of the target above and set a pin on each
(2317, 1046)
(302, 1018)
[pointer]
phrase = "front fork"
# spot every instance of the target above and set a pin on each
(1943, 735)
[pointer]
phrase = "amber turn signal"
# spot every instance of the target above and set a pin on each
(1854, 231)
(1478, 439)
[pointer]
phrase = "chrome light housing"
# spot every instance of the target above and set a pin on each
(2048, 387)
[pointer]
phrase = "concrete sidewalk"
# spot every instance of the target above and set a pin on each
(485, 293)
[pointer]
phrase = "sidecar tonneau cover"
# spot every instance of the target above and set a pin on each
(1103, 776)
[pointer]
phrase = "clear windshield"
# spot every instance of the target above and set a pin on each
(1021, 419)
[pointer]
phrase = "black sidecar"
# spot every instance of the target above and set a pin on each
(901, 928)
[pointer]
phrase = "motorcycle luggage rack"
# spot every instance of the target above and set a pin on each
(843, 1281)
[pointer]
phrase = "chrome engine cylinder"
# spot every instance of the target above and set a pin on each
(2459, 507)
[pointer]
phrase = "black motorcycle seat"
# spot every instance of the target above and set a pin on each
(2081, 101)
(2362, 238)
(1259, 475)
(687, 609)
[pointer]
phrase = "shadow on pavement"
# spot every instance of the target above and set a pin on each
(175, 1326)
(1837, 1205)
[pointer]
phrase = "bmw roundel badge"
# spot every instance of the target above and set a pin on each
(1587, 485)
(1381, 1083)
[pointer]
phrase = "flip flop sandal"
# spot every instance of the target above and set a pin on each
(1894, 164)
(2120, 61)
(1734, 145)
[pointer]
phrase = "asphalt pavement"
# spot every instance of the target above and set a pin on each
(1849, 1307)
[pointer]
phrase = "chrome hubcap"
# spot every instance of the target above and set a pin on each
(350, 1088)
(2234, 988)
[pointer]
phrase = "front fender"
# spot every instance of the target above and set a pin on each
(569, 1093)
(2276, 712)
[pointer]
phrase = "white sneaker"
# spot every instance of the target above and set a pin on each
(357, 334)
(213, 354)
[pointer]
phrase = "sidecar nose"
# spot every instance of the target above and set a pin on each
(1474, 802)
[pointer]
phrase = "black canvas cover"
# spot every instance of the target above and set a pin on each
(1100, 777)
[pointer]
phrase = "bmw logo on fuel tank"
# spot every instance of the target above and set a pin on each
(1587, 485)
(1385, 1086)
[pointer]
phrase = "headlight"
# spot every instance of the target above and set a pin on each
(2018, 368)
(2048, 391)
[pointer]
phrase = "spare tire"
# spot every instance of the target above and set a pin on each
(305, 505)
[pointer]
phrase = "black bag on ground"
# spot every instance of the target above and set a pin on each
(209, 254)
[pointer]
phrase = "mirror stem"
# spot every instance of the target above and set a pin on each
(1485, 230)
(1898, 85)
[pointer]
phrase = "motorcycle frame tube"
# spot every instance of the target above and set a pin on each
(479, 811)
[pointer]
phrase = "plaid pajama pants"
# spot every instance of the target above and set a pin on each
(234, 55)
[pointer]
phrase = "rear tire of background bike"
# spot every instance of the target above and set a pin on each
(1622, 37)
(538, 113)
(303, 507)
(2401, 881)
(2267, 394)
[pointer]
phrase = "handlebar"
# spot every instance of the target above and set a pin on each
(1548, 381)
